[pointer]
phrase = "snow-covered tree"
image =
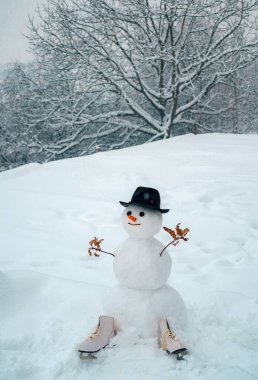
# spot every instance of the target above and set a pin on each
(17, 94)
(247, 107)
(141, 66)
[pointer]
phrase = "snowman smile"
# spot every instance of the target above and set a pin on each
(134, 224)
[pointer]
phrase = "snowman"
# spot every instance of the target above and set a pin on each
(143, 302)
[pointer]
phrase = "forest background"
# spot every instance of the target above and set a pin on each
(107, 74)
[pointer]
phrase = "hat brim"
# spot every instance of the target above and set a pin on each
(126, 204)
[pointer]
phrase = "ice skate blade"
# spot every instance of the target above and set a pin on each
(180, 354)
(87, 356)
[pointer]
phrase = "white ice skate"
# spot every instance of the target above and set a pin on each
(99, 339)
(169, 341)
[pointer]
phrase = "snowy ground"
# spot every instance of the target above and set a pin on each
(50, 290)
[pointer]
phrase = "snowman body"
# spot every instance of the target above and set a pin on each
(138, 264)
(143, 296)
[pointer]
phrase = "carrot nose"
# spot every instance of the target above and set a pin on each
(132, 218)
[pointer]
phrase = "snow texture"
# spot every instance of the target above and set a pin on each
(52, 292)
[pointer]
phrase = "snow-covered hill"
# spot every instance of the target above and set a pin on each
(51, 291)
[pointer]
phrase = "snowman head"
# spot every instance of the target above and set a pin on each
(141, 222)
(142, 217)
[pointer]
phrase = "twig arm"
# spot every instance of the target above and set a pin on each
(166, 247)
(177, 235)
(100, 250)
(95, 244)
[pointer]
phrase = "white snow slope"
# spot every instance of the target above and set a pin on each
(51, 290)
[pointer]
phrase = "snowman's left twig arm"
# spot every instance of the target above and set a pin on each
(177, 235)
(166, 247)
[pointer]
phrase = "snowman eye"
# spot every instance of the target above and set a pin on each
(142, 213)
(129, 213)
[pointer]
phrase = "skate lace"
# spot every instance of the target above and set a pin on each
(169, 334)
(94, 334)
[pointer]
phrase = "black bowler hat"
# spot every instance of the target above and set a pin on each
(145, 197)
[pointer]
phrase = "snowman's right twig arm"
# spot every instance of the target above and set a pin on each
(95, 245)
(100, 250)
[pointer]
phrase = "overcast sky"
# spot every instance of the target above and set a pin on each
(13, 19)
